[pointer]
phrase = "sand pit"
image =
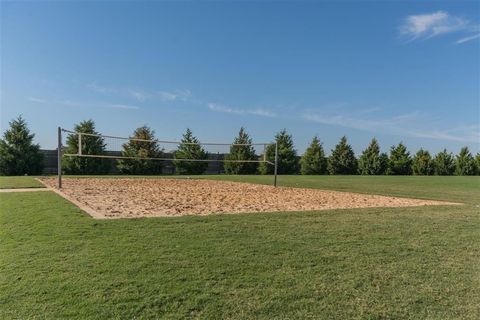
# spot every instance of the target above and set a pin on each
(130, 197)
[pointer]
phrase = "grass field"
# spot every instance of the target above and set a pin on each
(19, 182)
(421, 262)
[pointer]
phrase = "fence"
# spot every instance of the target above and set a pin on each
(214, 167)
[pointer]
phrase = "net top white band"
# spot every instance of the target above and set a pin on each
(171, 142)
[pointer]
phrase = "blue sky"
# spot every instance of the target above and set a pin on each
(399, 71)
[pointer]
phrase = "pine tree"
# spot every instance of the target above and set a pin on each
(239, 152)
(190, 149)
(141, 149)
(399, 162)
(342, 160)
(18, 154)
(384, 162)
(371, 162)
(422, 163)
(91, 145)
(314, 160)
(477, 163)
(444, 163)
(465, 163)
(287, 156)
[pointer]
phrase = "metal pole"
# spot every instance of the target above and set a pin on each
(79, 144)
(276, 165)
(59, 158)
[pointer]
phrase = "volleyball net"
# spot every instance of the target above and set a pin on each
(88, 145)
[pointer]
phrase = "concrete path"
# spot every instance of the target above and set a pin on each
(24, 190)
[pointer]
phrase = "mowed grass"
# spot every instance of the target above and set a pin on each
(419, 263)
(452, 188)
(19, 182)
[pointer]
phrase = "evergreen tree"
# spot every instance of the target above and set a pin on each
(239, 152)
(314, 160)
(342, 160)
(422, 163)
(190, 149)
(18, 154)
(91, 145)
(477, 163)
(141, 149)
(384, 162)
(371, 162)
(287, 156)
(444, 163)
(465, 163)
(400, 162)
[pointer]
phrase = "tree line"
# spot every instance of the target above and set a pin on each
(19, 155)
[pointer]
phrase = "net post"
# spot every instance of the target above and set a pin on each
(59, 158)
(79, 143)
(276, 165)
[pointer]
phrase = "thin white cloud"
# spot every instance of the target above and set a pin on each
(222, 108)
(37, 100)
(226, 109)
(123, 106)
(409, 124)
(262, 112)
(167, 96)
(83, 104)
(466, 39)
(97, 88)
(469, 133)
(182, 95)
(140, 95)
(431, 24)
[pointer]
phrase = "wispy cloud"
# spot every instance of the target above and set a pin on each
(177, 95)
(37, 100)
(262, 112)
(429, 25)
(466, 39)
(83, 104)
(97, 88)
(180, 94)
(140, 95)
(408, 124)
(226, 109)
(123, 106)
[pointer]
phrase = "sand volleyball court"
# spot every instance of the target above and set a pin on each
(139, 197)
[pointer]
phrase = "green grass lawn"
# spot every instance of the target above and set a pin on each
(19, 182)
(423, 262)
(461, 189)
